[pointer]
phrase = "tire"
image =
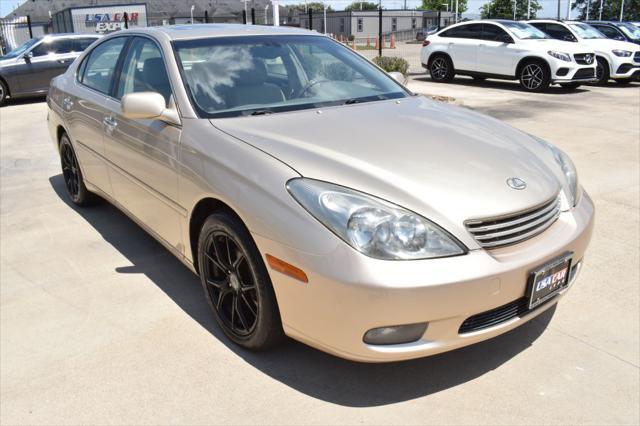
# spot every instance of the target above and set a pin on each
(441, 69)
(4, 91)
(236, 283)
(73, 179)
(534, 76)
(602, 71)
(570, 86)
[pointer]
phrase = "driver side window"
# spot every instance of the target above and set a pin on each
(559, 32)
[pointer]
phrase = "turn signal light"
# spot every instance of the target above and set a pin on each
(425, 42)
(286, 268)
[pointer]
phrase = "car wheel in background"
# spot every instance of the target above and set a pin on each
(73, 180)
(534, 76)
(441, 69)
(3, 92)
(570, 86)
(602, 71)
(236, 283)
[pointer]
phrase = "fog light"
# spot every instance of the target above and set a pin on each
(562, 72)
(395, 334)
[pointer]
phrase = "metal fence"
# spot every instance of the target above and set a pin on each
(16, 31)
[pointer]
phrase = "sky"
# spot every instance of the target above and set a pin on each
(549, 6)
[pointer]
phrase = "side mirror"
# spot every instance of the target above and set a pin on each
(505, 38)
(399, 77)
(148, 105)
(27, 57)
(619, 37)
(568, 37)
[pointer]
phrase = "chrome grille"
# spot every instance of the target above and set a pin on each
(514, 228)
(583, 58)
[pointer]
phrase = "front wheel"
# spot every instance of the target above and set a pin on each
(441, 69)
(236, 283)
(602, 72)
(3, 92)
(570, 86)
(72, 174)
(534, 77)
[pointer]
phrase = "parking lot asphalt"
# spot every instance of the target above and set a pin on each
(100, 325)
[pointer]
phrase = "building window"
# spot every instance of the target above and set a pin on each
(413, 23)
(360, 25)
(341, 25)
(394, 24)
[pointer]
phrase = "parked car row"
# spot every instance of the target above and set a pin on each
(28, 69)
(538, 53)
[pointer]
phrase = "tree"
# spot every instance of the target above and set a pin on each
(610, 9)
(440, 5)
(365, 5)
(504, 9)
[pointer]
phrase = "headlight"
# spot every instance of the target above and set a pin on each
(622, 53)
(571, 185)
(560, 55)
(373, 226)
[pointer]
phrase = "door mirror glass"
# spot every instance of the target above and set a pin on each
(27, 57)
(505, 38)
(399, 77)
(568, 37)
(147, 105)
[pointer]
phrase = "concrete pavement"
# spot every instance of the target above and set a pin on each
(99, 324)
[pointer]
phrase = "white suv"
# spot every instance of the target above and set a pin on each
(617, 60)
(507, 50)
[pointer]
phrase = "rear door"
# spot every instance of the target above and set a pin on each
(462, 45)
(84, 110)
(47, 60)
(143, 154)
(497, 53)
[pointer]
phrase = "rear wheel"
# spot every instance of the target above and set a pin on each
(441, 69)
(3, 92)
(73, 180)
(602, 71)
(236, 283)
(534, 77)
(570, 86)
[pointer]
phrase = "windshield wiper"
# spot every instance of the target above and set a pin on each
(352, 101)
(262, 112)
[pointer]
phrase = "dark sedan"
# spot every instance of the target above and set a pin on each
(28, 69)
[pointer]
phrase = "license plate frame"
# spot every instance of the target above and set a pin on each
(549, 279)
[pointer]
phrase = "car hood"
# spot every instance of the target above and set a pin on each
(446, 163)
(560, 46)
(607, 45)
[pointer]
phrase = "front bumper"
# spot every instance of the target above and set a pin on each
(626, 70)
(573, 73)
(349, 293)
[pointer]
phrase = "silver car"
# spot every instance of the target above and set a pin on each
(28, 69)
(314, 195)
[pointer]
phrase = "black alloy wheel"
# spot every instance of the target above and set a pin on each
(534, 77)
(602, 72)
(3, 92)
(72, 174)
(441, 69)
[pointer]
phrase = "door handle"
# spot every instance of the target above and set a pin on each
(110, 123)
(64, 61)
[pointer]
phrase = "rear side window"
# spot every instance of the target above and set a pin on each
(98, 68)
(56, 46)
(143, 70)
(559, 32)
(608, 31)
(80, 44)
(471, 31)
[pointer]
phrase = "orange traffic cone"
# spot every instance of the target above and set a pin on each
(377, 44)
(393, 42)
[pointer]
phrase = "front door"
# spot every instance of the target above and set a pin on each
(497, 53)
(464, 46)
(144, 153)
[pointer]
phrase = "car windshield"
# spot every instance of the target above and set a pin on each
(20, 49)
(252, 75)
(585, 31)
(524, 31)
(630, 30)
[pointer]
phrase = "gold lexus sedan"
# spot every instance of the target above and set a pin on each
(314, 195)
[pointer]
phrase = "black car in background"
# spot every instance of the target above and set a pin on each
(28, 69)
(624, 31)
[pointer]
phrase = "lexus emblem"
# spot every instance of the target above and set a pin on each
(516, 183)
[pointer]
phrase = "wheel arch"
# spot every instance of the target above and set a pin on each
(436, 54)
(199, 214)
(606, 59)
(529, 59)
(6, 85)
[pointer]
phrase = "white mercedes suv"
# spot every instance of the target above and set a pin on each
(507, 50)
(616, 60)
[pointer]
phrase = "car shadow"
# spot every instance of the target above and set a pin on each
(24, 101)
(507, 85)
(303, 368)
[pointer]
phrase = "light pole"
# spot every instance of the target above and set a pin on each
(514, 10)
(600, 13)
(456, 19)
(529, 9)
(276, 12)
(569, 9)
(324, 11)
(588, 1)
(266, 17)
(192, 7)
(621, 10)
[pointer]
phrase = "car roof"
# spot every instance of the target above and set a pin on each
(70, 35)
(195, 31)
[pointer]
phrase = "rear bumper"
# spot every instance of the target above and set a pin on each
(349, 293)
